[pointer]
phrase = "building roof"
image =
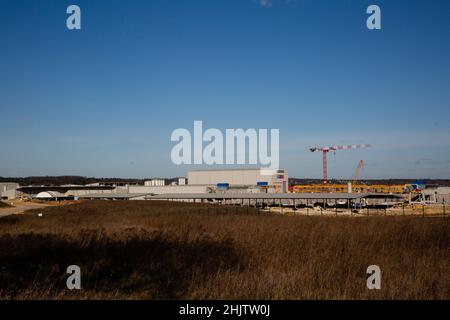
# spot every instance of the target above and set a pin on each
(260, 196)
(229, 196)
(113, 195)
(49, 194)
(62, 189)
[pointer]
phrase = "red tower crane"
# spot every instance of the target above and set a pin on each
(325, 150)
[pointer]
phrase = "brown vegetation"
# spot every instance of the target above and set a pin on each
(149, 249)
(4, 205)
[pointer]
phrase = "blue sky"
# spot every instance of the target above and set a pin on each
(103, 100)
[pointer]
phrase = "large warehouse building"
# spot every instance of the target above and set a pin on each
(276, 179)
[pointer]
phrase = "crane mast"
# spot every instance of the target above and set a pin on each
(358, 170)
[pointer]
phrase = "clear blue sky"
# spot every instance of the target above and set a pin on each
(103, 101)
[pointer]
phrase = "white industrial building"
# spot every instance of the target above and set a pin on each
(205, 182)
(155, 182)
(8, 190)
(276, 180)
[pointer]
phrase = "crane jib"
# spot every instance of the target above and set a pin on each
(325, 150)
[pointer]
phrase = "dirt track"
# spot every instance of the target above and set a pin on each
(20, 207)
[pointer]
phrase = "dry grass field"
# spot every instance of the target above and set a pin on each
(159, 250)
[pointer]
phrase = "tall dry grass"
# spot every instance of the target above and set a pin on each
(154, 250)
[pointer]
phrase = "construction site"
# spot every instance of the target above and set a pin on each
(265, 189)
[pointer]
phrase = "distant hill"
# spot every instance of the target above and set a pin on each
(78, 180)
(62, 180)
